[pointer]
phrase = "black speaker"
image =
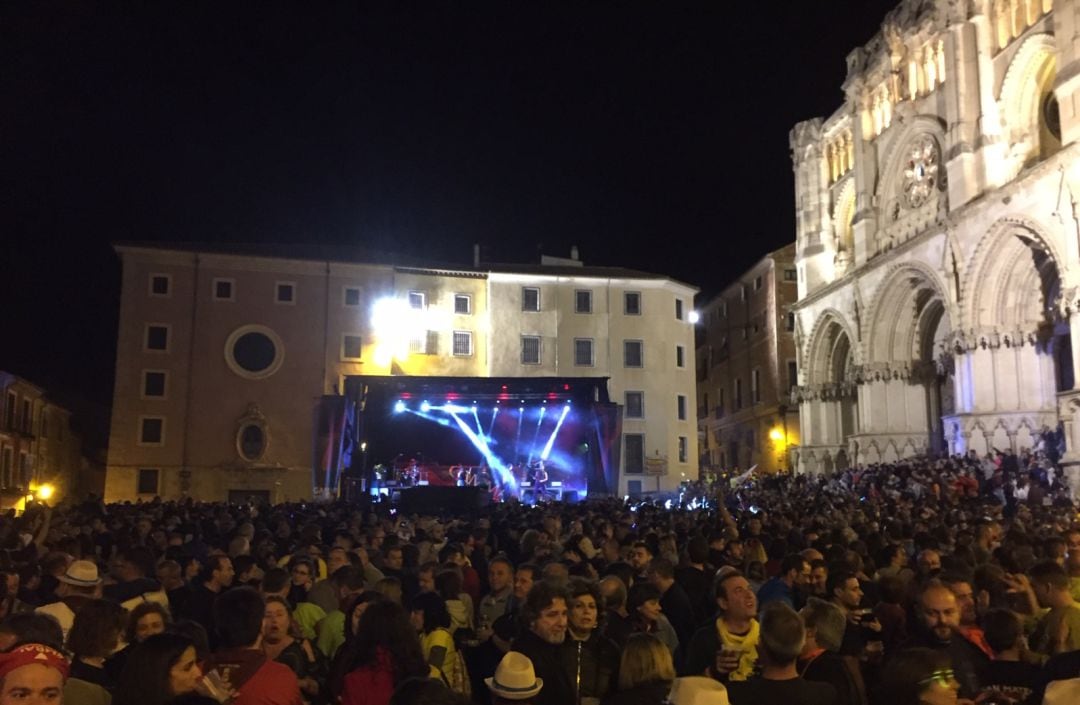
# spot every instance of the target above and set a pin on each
(436, 499)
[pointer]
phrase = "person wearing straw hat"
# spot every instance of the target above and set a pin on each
(698, 690)
(514, 681)
(79, 585)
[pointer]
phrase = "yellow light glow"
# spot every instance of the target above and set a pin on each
(776, 435)
(45, 491)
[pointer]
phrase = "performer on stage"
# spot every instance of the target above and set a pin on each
(540, 479)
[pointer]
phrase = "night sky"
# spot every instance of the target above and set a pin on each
(651, 135)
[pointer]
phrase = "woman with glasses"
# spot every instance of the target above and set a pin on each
(919, 677)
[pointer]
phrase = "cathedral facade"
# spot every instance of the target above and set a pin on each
(938, 227)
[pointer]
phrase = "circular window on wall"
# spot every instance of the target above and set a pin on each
(254, 351)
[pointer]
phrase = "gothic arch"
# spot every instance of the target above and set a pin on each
(908, 307)
(830, 350)
(893, 155)
(1014, 274)
(1027, 84)
(842, 216)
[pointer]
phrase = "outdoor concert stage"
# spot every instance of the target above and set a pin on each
(429, 433)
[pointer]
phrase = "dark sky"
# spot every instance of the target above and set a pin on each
(652, 135)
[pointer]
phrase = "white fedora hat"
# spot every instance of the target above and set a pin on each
(82, 573)
(515, 678)
(698, 690)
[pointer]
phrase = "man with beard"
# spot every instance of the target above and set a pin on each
(937, 625)
(727, 649)
(545, 614)
(846, 593)
(969, 618)
(790, 586)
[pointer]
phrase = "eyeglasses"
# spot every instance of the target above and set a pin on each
(943, 677)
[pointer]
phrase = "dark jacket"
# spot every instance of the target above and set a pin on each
(645, 694)
(841, 672)
(969, 663)
(547, 662)
(596, 659)
(679, 610)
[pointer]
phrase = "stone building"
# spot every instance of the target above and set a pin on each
(38, 445)
(937, 234)
(217, 341)
(747, 369)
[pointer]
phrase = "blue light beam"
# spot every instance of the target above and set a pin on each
(551, 441)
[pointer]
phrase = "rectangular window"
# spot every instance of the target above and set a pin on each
(6, 470)
(757, 283)
(148, 481)
(157, 337)
(9, 410)
(583, 352)
(530, 350)
(723, 308)
(791, 275)
(25, 472)
(151, 430)
(462, 304)
(632, 303)
(285, 292)
(352, 296)
(755, 385)
(154, 384)
(635, 405)
(678, 309)
(351, 347)
(792, 375)
(742, 292)
(635, 453)
(738, 393)
(462, 343)
(680, 407)
(633, 353)
(425, 343)
(417, 299)
(160, 285)
(720, 399)
(789, 324)
(582, 301)
(27, 418)
(684, 449)
(224, 289)
(530, 298)
(43, 430)
(680, 356)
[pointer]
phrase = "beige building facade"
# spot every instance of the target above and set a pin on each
(221, 356)
(747, 370)
(937, 234)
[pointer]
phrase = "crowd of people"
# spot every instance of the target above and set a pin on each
(925, 581)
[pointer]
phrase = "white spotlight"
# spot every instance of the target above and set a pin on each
(425, 407)
(694, 317)
(399, 407)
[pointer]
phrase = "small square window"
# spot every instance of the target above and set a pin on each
(285, 293)
(680, 407)
(352, 296)
(148, 481)
(224, 290)
(157, 338)
(530, 298)
(684, 449)
(680, 356)
(154, 384)
(635, 405)
(160, 285)
(582, 301)
(425, 343)
(583, 352)
(417, 299)
(462, 343)
(462, 304)
(632, 303)
(151, 430)
(678, 309)
(530, 350)
(791, 275)
(632, 353)
(351, 347)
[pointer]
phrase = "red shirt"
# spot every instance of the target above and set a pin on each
(273, 684)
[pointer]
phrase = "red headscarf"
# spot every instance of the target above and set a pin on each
(33, 653)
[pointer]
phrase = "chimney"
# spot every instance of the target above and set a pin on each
(476, 255)
(574, 255)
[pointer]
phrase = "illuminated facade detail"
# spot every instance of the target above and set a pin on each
(761, 427)
(939, 279)
(242, 376)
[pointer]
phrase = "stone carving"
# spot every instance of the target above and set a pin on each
(921, 171)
